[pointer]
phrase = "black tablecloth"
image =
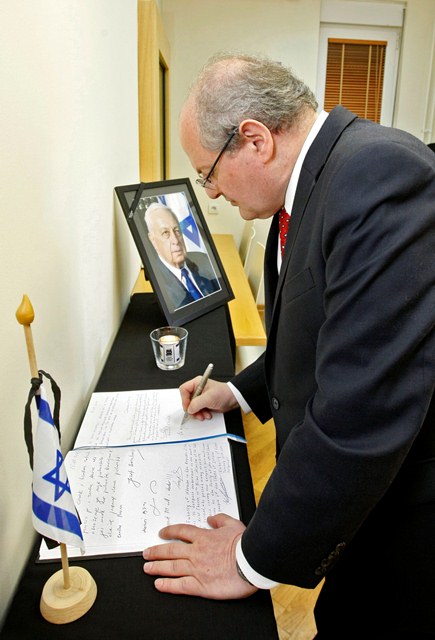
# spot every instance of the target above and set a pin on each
(127, 604)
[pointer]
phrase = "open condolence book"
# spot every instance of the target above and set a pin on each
(134, 470)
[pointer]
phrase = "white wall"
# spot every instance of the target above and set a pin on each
(415, 97)
(69, 134)
(286, 30)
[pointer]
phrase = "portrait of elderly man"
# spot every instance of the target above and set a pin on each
(184, 277)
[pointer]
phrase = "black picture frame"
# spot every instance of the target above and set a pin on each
(203, 260)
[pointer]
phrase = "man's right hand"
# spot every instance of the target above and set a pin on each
(216, 396)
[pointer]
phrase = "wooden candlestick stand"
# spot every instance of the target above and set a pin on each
(70, 592)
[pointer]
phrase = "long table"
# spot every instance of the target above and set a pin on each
(127, 604)
(246, 321)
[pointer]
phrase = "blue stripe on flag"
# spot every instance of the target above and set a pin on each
(56, 517)
(44, 410)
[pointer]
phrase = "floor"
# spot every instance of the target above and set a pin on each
(293, 606)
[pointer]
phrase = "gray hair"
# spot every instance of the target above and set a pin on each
(152, 208)
(234, 87)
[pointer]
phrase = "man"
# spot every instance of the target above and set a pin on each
(349, 369)
(184, 277)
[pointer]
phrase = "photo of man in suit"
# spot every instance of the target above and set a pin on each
(184, 277)
(348, 374)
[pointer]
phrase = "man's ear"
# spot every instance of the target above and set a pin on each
(259, 137)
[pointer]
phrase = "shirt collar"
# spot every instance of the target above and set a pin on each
(294, 178)
(175, 270)
(293, 183)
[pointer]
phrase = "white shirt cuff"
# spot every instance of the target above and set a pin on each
(254, 578)
(240, 399)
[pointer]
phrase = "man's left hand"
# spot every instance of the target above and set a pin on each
(199, 562)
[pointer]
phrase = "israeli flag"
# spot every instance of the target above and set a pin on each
(53, 512)
(180, 206)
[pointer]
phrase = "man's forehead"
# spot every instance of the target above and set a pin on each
(163, 219)
(189, 132)
(200, 158)
(197, 154)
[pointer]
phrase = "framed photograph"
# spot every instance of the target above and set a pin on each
(176, 248)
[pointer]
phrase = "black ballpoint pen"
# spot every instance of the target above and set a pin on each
(199, 389)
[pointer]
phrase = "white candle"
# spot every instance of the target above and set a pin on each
(169, 339)
(169, 349)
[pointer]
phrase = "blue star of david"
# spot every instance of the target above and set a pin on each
(53, 476)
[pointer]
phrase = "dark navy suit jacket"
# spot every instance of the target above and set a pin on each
(173, 290)
(348, 372)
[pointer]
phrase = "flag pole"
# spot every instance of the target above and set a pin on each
(66, 595)
(25, 316)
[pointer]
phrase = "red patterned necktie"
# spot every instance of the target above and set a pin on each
(284, 219)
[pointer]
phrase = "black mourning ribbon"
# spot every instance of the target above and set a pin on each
(36, 383)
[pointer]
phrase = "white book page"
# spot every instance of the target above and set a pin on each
(140, 417)
(124, 496)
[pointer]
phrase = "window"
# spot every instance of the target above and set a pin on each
(355, 76)
(382, 69)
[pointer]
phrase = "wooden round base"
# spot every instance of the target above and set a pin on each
(60, 605)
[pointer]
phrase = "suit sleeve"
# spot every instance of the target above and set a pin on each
(375, 363)
(252, 385)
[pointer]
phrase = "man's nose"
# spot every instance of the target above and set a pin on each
(213, 193)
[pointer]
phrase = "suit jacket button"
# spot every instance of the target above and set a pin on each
(275, 403)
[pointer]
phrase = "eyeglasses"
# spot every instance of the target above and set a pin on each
(206, 182)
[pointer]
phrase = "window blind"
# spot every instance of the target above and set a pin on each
(355, 76)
